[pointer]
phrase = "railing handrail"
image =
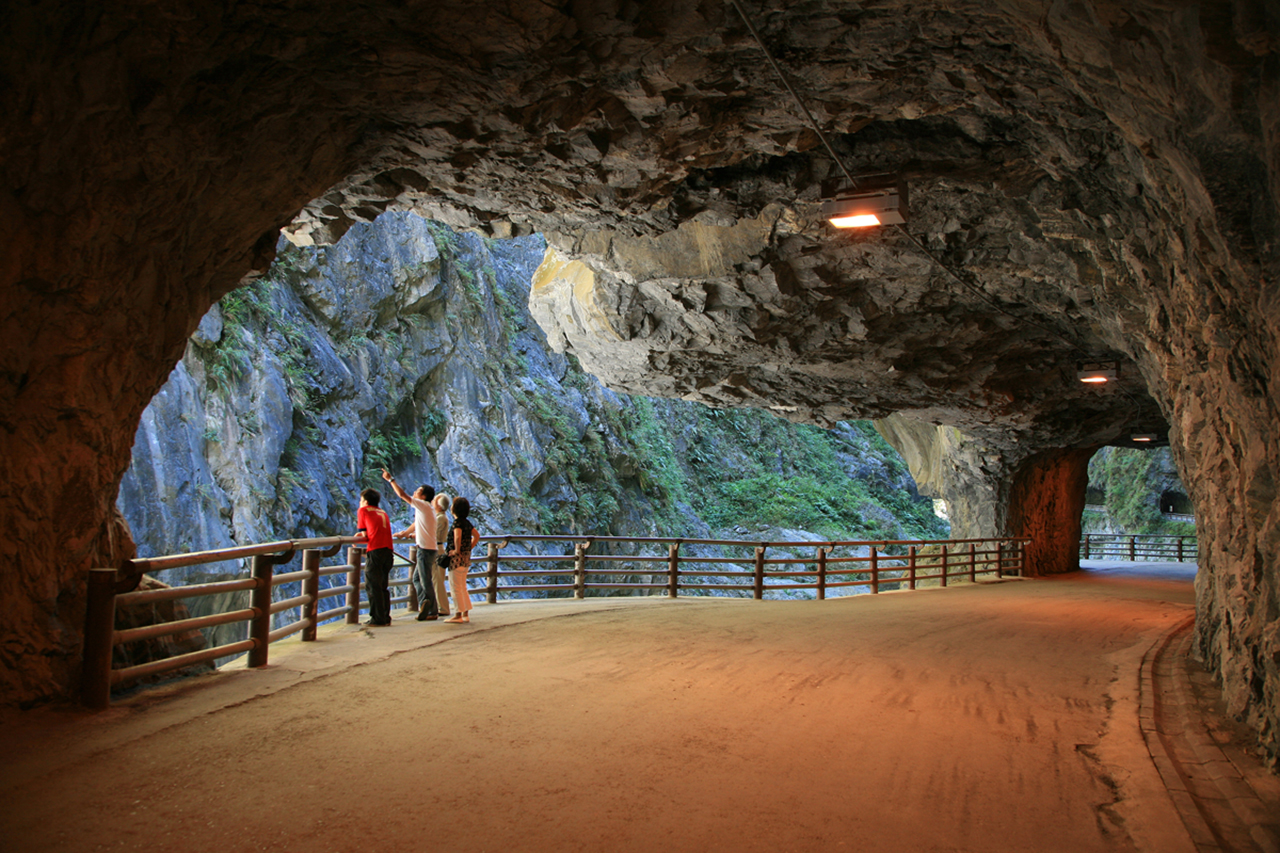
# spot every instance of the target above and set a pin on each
(1139, 535)
(1138, 547)
(769, 543)
(238, 552)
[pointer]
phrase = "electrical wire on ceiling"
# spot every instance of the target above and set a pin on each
(777, 69)
(912, 239)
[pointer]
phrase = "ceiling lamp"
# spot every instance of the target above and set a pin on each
(1143, 437)
(1096, 372)
(868, 207)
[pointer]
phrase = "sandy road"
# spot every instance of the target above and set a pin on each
(977, 718)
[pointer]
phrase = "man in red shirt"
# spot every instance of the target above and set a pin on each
(375, 528)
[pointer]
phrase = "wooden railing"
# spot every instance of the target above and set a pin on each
(874, 565)
(109, 588)
(1136, 547)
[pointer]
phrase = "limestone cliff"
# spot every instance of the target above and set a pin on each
(410, 346)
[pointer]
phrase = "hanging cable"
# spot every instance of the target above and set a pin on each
(920, 247)
(777, 69)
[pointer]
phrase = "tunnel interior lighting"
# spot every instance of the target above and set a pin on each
(868, 206)
(1096, 372)
(858, 220)
(1143, 437)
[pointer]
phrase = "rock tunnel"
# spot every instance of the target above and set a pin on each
(1088, 181)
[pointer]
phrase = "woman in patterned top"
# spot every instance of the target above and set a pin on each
(462, 538)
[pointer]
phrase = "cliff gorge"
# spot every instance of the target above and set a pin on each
(410, 346)
(1088, 180)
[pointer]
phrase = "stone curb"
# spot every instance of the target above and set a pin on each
(1218, 806)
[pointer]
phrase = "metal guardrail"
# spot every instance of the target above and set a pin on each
(1138, 547)
(876, 565)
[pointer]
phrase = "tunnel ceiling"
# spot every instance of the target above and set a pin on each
(1087, 181)
(1054, 161)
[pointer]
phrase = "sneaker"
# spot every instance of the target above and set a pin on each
(426, 617)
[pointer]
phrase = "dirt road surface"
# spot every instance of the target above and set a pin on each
(1000, 716)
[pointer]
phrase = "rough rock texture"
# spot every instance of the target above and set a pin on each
(964, 471)
(1101, 179)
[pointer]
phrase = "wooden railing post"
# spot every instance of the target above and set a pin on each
(260, 601)
(1132, 557)
(673, 570)
(311, 558)
(973, 563)
(354, 556)
(580, 569)
(1087, 540)
(875, 570)
(822, 573)
(1179, 549)
(491, 582)
(911, 567)
(944, 565)
(759, 579)
(311, 588)
(999, 560)
(413, 569)
(99, 639)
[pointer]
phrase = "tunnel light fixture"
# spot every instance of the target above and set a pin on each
(1096, 372)
(1141, 440)
(868, 206)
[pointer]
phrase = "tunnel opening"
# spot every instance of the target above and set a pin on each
(1131, 490)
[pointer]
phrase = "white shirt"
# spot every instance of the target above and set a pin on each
(424, 524)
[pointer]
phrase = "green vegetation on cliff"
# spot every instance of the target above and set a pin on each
(410, 346)
(1131, 485)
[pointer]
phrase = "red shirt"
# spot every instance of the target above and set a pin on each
(376, 526)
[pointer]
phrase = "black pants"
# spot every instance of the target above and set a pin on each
(376, 576)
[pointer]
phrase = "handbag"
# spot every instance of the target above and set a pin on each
(444, 559)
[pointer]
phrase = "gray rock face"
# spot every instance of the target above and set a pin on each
(371, 353)
(1100, 178)
(382, 351)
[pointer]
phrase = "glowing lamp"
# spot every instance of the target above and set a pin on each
(1143, 437)
(1096, 372)
(868, 207)
(861, 220)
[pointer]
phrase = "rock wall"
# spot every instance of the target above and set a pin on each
(378, 351)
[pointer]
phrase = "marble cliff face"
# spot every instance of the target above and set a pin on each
(1088, 180)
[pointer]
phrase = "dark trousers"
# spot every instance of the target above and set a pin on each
(422, 582)
(377, 574)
